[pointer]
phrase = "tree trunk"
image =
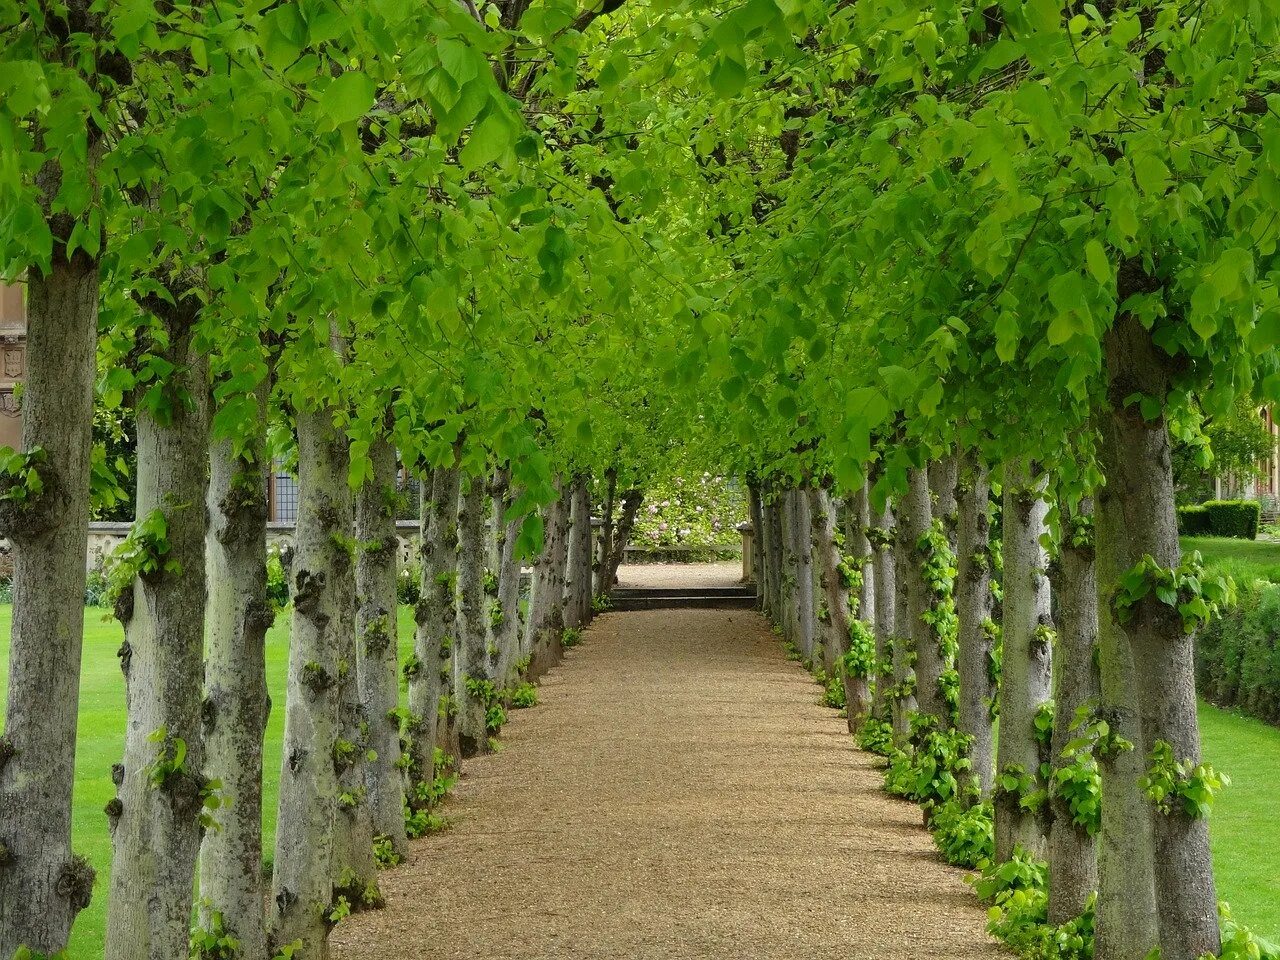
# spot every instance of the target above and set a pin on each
(857, 688)
(973, 611)
(904, 674)
(578, 581)
(626, 523)
(881, 535)
(474, 677)
(161, 787)
(377, 667)
(857, 522)
(914, 521)
(43, 885)
(302, 884)
(943, 478)
(238, 615)
(430, 674)
(756, 517)
(806, 610)
(1136, 519)
(546, 622)
(788, 618)
(765, 563)
(355, 874)
(1025, 677)
(504, 630)
(830, 640)
(600, 564)
(1073, 861)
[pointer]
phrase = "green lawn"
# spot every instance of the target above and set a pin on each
(100, 744)
(1241, 559)
(1245, 844)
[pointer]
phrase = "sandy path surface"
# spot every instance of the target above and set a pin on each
(679, 794)
(725, 574)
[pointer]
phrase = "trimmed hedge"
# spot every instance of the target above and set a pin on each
(1221, 518)
(1238, 656)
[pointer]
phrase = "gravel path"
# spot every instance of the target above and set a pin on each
(721, 574)
(679, 794)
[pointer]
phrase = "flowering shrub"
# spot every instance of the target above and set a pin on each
(698, 511)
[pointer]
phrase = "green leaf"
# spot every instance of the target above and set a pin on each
(1095, 256)
(347, 98)
(728, 77)
(489, 141)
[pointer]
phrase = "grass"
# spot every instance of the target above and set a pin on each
(1246, 848)
(100, 743)
(1241, 559)
(1246, 845)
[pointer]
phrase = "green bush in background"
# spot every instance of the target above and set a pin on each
(1238, 656)
(1221, 518)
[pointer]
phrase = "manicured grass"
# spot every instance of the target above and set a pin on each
(101, 743)
(1241, 559)
(1246, 843)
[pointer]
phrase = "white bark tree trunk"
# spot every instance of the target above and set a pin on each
(43, 885)
(430, 675)
(914, 521)
(806, 610)
(600, 565)
(1025, 679)
(376, 652)
(546, 624)
(829, 639)
(354, 870)
(1136, 518)
(631, 501)
(857, 688)
(578, 581)
(475, 668)
(1073, 860)
(238, 615)
(973, 610)
(881, 535)
(904, 673)
(505, 636)
(943, 476)
(156, 819)
(858, 546)
(302, 885)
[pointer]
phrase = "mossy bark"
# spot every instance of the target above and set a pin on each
(1136, 518)
(884, 572)
(302, 883)
(238, 615)
(504, 622)
(546, 621)
(430, 673)
(976, 641)
(156, 820)
(43, 885)
(578, 580)
(1073, 858)
(474, 667)
(1025, 679)
(857, 689)
(377, 670)
(355, 874)
(914, 520)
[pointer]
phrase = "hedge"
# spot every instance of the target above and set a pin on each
(1221, 518)
(1238, 656)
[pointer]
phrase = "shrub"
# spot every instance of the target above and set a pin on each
(524, 696)
(408, 584)
(964, 834)
(1221, 518)
(1238, 655)
(277, 581)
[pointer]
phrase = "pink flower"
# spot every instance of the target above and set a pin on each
(662, 526)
